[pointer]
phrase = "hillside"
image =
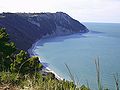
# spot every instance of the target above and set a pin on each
(18, 71)
(25, 28)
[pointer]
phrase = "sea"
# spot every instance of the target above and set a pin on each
(79, 52)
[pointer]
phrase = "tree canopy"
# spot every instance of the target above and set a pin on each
(14, 60)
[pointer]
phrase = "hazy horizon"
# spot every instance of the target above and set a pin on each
(106, 11)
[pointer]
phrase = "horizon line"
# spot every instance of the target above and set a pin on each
(66, 13)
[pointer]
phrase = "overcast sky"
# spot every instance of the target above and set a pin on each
(82, 10)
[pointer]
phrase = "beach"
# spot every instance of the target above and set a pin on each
(79, 52)
(45, 68)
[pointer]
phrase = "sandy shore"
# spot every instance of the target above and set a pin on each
(46, 69)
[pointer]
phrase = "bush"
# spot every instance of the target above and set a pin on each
(9, 78)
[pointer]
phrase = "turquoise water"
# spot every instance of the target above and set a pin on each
(79, 52)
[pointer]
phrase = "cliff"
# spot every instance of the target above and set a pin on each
(25, 28)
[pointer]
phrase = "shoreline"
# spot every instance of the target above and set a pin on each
(46, 69)
(31, 53)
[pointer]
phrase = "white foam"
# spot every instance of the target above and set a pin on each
(47, 69)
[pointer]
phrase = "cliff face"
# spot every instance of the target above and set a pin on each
(25, 28)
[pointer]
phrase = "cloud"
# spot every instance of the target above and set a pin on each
(84, 10)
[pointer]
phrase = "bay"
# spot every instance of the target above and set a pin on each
(79, 52)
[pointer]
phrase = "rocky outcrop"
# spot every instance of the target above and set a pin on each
(25, 28)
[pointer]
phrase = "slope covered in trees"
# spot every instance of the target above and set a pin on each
(14, 60)
(25, 28)
(18, 71)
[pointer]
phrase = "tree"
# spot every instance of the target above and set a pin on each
(20, 58)
(25, 65)
(11, 61)
(3, 35)
(34, 64)
(6, 49)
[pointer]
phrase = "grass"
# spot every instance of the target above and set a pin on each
(8, 80)
(16, 81)
(98, 74)
(116, 78)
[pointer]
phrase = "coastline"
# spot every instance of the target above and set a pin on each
(31, 53)
(46, 68)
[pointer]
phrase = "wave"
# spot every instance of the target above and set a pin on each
(45, 65)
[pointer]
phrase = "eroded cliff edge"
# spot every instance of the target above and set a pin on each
(25, 28)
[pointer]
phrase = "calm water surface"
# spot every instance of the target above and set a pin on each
(80, 51)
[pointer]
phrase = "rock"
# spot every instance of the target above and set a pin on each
(26, 28)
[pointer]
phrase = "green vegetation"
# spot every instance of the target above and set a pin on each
(16, 61)
(98, 74)
(18, 71)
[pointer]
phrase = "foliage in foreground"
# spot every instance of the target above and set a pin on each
(18, 71)
(13, 60)
(36, 82)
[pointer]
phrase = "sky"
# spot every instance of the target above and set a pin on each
(83, 10)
